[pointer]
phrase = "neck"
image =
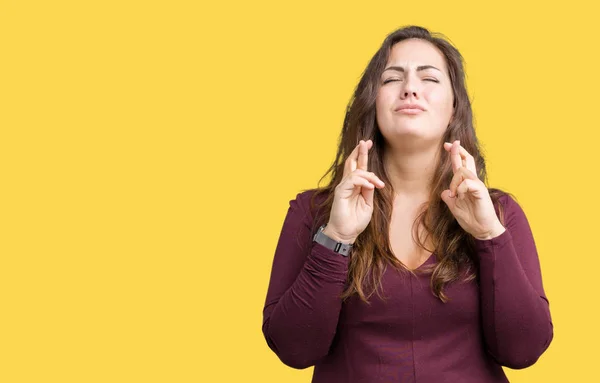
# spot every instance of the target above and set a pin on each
(411, 169)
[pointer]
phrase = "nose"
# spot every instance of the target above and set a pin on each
(410, 88)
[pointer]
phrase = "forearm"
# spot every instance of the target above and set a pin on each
(516, 317)
(299, 326)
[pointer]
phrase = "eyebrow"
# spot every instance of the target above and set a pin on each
(419, 68)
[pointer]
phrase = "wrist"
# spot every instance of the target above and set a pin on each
(331, 233)
(496, 231)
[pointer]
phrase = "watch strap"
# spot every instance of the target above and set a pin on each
(330, 243)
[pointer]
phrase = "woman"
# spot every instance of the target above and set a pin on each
(407, 215)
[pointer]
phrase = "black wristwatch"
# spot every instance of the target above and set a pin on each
(338, 247)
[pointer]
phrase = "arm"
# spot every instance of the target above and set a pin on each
(516, 317)
(302, 306)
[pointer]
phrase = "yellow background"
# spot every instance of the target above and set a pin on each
(150, 150)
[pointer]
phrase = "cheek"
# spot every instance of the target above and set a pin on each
(441, 101)
(381, 102)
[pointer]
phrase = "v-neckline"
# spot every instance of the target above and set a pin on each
(428, 260)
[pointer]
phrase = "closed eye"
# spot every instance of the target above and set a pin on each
(425, 79)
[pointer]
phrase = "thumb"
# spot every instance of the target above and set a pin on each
(447, 199)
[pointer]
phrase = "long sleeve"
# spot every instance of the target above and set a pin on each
(516, 317)
(302, 306)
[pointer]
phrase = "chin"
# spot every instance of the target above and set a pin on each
(410, 132)
(414, 128)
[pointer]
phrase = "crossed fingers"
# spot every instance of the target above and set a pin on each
(463, 166)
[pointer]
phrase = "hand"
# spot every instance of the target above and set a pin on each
(468, 197)
(352, 206)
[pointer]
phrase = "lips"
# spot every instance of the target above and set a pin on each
(409, 108)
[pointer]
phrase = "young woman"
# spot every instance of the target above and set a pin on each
(407, 267)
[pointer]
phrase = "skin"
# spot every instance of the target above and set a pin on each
(468, 198)
(415, 73)
(412, 143)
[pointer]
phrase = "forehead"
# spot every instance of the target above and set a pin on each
(414, 52)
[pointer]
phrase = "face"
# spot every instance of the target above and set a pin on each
(415, 95)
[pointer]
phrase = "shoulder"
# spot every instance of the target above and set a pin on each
(511, 208)
(308, 197)
(310, 202)
(507, 199)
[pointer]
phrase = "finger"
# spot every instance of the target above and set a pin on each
(448, 148)
(351, 161)
(468, 174)
(447, 198)
(368, 195)
(455, 156)
(355, 181)
(466, 187)
(456, 180)
(461, 175)
(462, 189)
(369, 176)
(467, 160)
(363, 155)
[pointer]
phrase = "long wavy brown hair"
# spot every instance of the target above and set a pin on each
(371, 253)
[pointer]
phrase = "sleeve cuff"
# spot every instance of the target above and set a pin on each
(490, 246)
